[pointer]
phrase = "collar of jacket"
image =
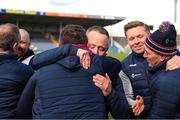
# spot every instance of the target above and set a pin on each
(6, 56)
(82, 46)
(138, 54)
(159, 67)
(28, 54)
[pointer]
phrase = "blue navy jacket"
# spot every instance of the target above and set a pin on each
(13, 78)
(135, 67)
(165, 89)
(66, 90)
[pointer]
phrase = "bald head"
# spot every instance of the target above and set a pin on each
(24, 42)
(24, 35)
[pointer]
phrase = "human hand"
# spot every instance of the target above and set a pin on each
(84, 56)
(173, 63)
(138, 106)
(104, 83)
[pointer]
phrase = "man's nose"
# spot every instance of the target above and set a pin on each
(136, 40)
(96, 51)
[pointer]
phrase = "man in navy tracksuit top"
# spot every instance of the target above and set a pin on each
(64, 89)
(13, 74)
(164, 85)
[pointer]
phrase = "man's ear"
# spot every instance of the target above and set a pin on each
(162, 58)
(14, 47)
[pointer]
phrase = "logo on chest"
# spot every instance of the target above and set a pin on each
(135, 75)
(134, 66)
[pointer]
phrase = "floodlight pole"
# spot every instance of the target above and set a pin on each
(175, 10)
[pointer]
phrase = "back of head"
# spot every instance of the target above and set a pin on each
(134, 24)
(9, 34)
(73, 34)
(163, 40)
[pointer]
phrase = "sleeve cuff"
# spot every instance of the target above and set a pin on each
(111, 95)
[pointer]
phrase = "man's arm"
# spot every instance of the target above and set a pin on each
(111, 66)
(114, 94)
(127, 87)
(51, 56)
(116, 100)
(24, 107)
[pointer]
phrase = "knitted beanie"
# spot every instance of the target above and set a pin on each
(163, 40)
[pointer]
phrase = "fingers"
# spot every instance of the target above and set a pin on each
(98, 85)
(138, 106)
(103, 83)
(135, 108)
(171, 67)
(173, 63)
(99, 79)
(85, 60)
(139, 111)
(107, 77)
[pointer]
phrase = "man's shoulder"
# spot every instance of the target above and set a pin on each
(23, 67)
(105, 60)
(170, 74)
(133, 57)
(125, 60)
(18, 69)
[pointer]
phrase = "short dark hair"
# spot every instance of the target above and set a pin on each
(134, 24)
(98, 29)
(73, 34)
(9, 33)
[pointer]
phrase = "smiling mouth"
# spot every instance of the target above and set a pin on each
(139, 47)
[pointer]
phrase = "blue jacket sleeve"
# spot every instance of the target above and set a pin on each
(111, 66)
(116, 100)
(24, 107)
(51, 56)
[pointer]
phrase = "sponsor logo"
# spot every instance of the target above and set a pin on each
(132, 65)
(135, 75)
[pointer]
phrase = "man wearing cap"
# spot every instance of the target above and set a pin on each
(164, 85)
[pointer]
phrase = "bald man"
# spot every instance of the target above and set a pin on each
(25, 53)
